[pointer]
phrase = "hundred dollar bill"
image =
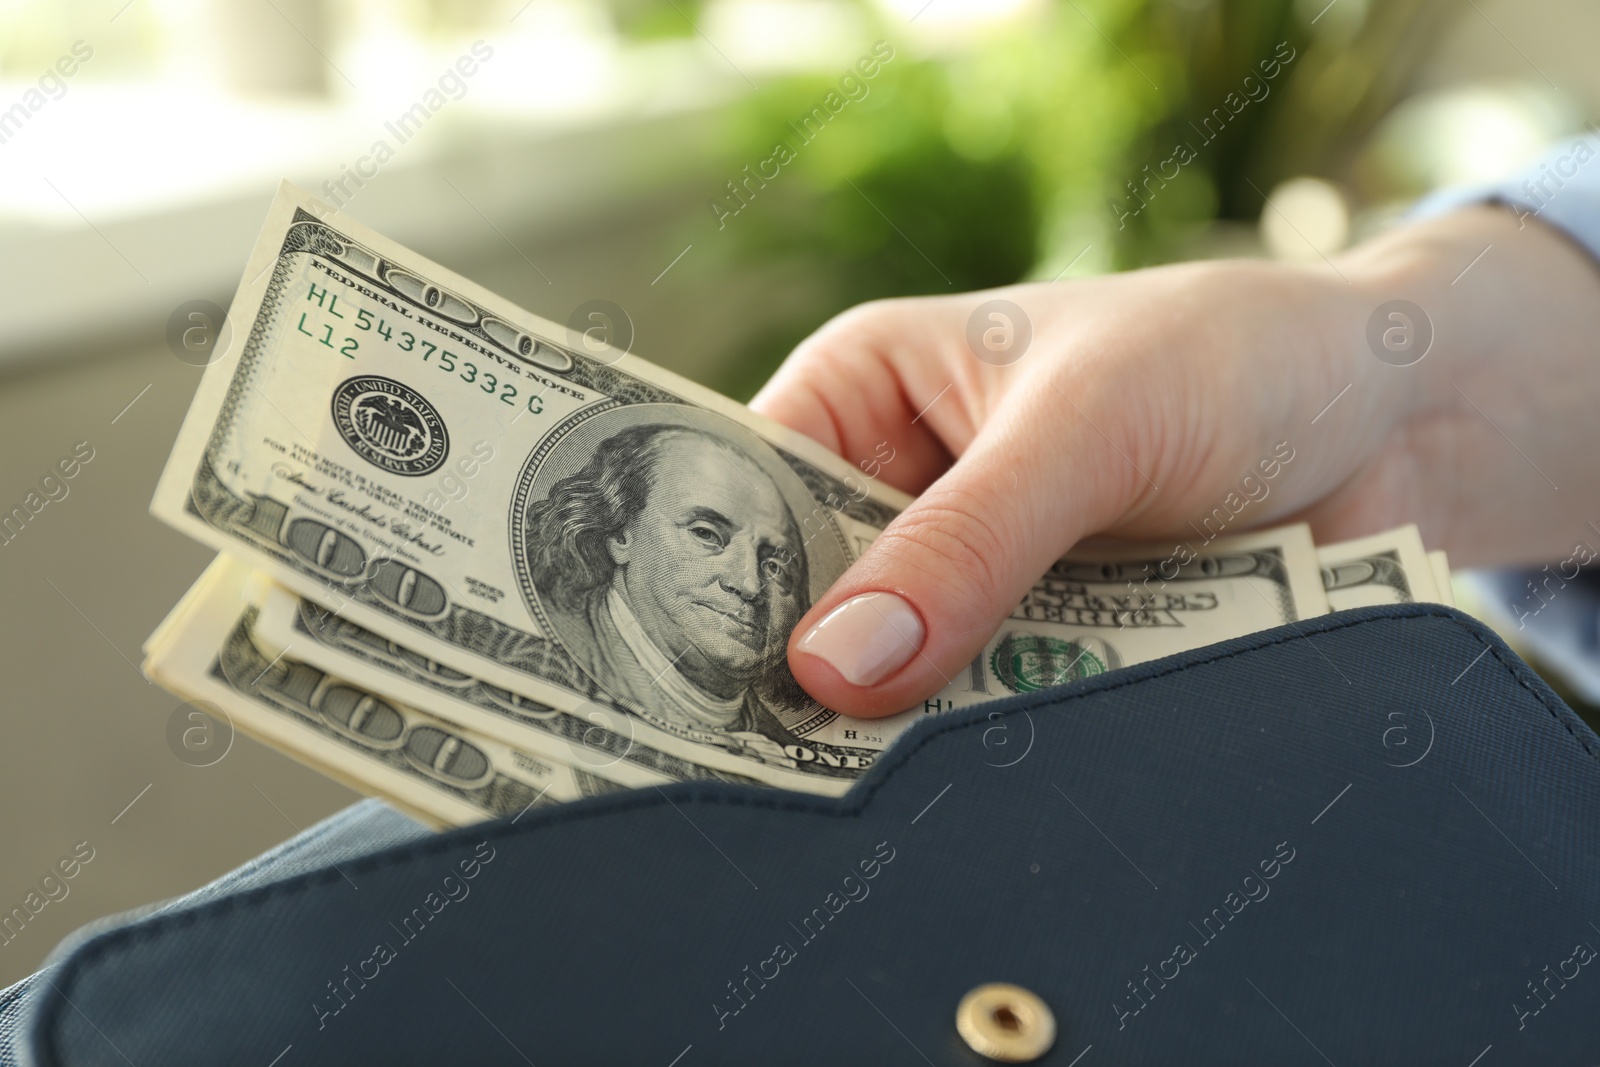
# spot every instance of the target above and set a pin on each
(1440, 563)
(1207, 601)
(561, 520)
(1386, 568)
(595, 737)
(208, 652)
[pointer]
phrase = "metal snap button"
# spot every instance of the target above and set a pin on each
(1006, 1023)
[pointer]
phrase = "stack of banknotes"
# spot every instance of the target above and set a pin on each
(472, 561)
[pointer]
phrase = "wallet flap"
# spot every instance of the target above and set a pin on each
(1366, 838)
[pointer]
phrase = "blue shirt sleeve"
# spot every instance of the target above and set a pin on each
(1561, 190)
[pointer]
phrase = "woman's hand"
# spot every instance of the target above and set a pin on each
(1144, 398)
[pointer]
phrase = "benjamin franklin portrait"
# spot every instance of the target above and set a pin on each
(672, 566)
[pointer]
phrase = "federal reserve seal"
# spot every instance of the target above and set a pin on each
(1027, 662)
(390, 425)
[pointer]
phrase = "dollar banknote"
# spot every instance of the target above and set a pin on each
(1443, 590)
(1386, 568)
(566, 522)
(208, 652)
(1238, 583)
(367, 712)
(596, 737)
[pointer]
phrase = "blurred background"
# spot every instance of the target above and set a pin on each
(728, 172)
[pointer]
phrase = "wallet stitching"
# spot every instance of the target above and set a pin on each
(160, 925)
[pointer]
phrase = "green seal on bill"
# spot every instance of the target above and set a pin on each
(1027, 662)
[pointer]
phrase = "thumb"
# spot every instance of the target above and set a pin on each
(912, 613)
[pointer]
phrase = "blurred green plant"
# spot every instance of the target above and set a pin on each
(1122, 128)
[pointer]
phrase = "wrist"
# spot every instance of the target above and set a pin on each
(1486, 285)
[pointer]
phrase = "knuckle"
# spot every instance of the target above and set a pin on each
(871, 315)
(872, 326)
(952, 536)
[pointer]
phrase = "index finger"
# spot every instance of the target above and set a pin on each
(870, 385)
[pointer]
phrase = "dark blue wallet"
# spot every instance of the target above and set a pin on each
(1368, 838)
